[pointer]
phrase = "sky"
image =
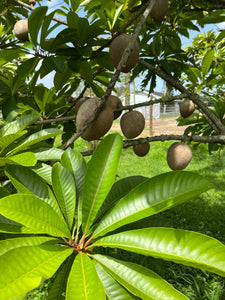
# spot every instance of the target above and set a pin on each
(48, 80)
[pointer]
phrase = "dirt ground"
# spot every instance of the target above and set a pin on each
(159, 126)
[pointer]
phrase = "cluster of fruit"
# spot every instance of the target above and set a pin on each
(132, 123)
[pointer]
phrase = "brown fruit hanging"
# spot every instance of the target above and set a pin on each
(141, 149)
(21, 30)
(187, 108)
(179, 156)
(132, 124)
(100, 125)
(114, 102)
(116, 49)
(159, 10)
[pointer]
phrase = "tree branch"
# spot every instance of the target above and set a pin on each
(215, 123)
(217, 139)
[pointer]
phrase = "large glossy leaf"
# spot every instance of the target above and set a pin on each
(45, 154)
(18, 125)
(44, 171)
(9, 226)
(58, 287)
(83, 280)
(24, 159)
(153, 196)
(139, 280)
(113, 289)
(118, 191)
(76, 164)
(6, 140)
(65, 191)
(27, 181)
(33, 212)
(36, 138)
(22, 268)
(10, 244)
(100, 176)
(181, 246)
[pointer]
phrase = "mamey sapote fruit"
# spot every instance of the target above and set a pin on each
(179, 156)
(79, 102)
(132, 124)
(116, 49)
(32, 2)
(115, 102)
(21, 30)
(100, 125)
(187, 108)
(159, 10)
(141, 149)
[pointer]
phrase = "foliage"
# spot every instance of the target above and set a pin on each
(64, 230)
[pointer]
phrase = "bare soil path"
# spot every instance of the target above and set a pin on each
(159, 126)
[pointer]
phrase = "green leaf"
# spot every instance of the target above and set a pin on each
(112, 288)
(34, 213)
(11, 244)
(65, 191)
(139, 280)
(7, 55)
(24, 159)
(207, 61)
(118, 191)
(18, 125)
(26, 67)
(35, 21)
(35, 138)
(100, 176)
(44, 171)
(58, 287)
(86, 72)
(45, 26)
(22, 268)
(45, 154)
(28, 182)
(83, 280)
(180, 246)
(220, 37)
(76, 164)
(153, 196)
(10, 138)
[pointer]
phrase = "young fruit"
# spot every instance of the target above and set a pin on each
(115, 102)
(179, 156)
(116, 49)
(187, 107)
(141, 149)
(159, 10)
(132, 124)
(100, 125)
(21, 30)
